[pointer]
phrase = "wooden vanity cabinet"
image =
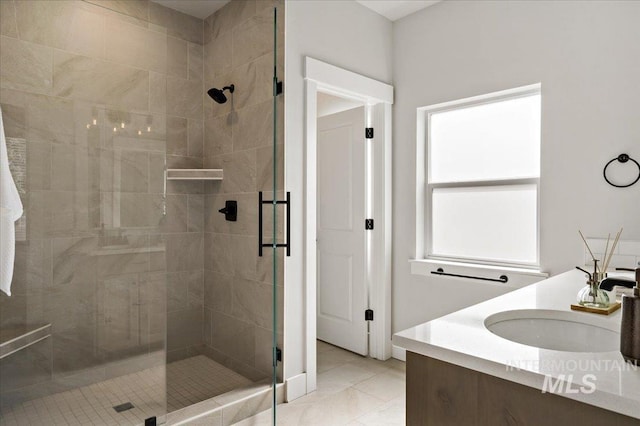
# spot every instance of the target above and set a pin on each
(442, 394)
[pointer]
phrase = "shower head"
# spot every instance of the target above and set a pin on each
(218, 95)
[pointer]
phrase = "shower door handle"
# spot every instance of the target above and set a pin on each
(274, 244)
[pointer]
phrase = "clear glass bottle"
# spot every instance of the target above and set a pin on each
(591, 296)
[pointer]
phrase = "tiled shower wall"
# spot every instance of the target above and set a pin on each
(101, 99)
(238, 311)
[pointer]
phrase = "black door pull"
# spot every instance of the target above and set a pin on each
(287, 203)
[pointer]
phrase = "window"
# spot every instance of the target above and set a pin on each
(483, 170)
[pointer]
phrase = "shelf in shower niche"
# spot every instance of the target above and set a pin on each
(116, 250)
(194, 174)
(16, 338)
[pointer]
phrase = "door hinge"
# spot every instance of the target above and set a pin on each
(368, 132)
(278, 355)
(368, 224)
(368, 315)
(277, 88)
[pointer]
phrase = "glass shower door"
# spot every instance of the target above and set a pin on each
(275, 350)
(280, 208)
(83, 334)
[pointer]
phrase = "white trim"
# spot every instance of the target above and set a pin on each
(399, 353)
(369, 276)
(345, 83)
(310, 227)
(421, 183)
(379, 97)
(380, 334)
(296, 387)
(487, 98)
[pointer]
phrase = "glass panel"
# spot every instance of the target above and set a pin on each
(274, 236)
(498, 140)
(238, 283)
(502, 225)
(90, 260)
(124, 279)
(88, 145)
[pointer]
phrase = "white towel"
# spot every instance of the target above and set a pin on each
(10, 211)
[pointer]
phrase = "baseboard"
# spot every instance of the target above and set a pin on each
(399, 353)
(296, 387)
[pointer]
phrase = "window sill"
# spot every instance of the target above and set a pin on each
(518, 277)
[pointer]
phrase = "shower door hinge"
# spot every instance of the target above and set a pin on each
(277, 88)
(368, 224)
(368, 132)
(368, 315)
(278, 354)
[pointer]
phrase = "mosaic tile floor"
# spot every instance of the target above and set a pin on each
(197, 379)
(189, 381)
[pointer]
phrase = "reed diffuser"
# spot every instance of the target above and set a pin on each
(592, 296)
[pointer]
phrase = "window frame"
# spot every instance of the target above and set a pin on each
(427, 219)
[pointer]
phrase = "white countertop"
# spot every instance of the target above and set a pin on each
(461, 338)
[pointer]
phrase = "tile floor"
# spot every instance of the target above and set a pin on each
(93, 404)
(190, 380)
(197, 379)
(352, 390)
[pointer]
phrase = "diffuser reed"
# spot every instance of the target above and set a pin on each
(608, 254)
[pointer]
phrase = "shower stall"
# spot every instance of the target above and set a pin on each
(147, 148)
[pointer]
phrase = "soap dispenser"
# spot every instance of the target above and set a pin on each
(630, 327)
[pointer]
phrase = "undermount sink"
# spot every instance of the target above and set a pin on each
(555, 330)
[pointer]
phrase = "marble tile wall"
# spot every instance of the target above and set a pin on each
(105, 93)
(238, 285)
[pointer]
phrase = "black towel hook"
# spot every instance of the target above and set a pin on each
(622, 158)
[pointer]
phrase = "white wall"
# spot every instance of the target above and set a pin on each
(329, 104)
(587, 57)
(350, 36)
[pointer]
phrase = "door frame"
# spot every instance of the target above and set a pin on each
(377, 98)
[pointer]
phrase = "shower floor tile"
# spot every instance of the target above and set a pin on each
(197, 379)
(188, 381)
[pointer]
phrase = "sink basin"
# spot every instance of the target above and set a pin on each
(555, 330)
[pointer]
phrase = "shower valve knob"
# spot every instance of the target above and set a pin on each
(230, 210)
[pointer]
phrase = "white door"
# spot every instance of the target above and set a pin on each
(342, 294)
